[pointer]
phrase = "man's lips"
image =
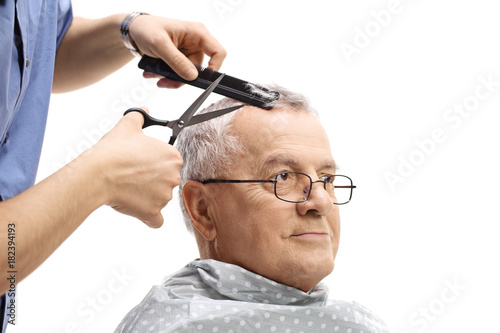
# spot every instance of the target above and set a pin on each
(311, 234)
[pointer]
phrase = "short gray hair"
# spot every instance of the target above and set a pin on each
(210, 148)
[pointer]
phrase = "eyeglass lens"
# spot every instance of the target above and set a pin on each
(295, 187)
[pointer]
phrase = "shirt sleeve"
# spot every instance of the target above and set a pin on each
(64, 19)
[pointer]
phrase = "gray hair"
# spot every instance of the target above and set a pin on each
(210, 148)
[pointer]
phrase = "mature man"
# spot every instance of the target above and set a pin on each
(261, 194)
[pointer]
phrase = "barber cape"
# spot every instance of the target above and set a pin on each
(212, 296)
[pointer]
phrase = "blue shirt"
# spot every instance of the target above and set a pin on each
(30, 32)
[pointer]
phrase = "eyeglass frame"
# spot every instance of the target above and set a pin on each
(275, 181)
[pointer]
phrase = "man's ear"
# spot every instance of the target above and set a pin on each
(196, 206)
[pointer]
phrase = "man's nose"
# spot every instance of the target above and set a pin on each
(319, 201)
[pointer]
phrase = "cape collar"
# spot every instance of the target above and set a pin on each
(240, 284)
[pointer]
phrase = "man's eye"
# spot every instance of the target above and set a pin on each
(283, 176)
(328, 179)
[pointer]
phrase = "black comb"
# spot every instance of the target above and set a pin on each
(229, 86)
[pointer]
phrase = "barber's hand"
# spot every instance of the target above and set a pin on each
(178, 43)
(139, 172)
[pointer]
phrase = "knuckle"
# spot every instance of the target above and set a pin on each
(199, 26)
(166, 200)
(152, 212)
(175, 153)
(170, 181)
(175, 157)
(223, 53)
(166, 193)
(179, 164)
(178, 60)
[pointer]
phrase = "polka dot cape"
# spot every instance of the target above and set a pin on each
(212, 296)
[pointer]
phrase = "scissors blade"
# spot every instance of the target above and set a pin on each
(186, 116)
(210, 115)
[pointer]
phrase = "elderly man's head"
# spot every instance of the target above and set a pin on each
(264, 226)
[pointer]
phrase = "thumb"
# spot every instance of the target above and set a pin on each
(134, 118)
(178, 61)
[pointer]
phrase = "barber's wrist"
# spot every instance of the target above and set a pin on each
(125, 33)
(90, 170)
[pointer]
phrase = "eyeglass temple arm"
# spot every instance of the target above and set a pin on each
(236, 181)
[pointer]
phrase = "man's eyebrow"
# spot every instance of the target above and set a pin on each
(277, 160)
(285, 160)
(330, 165)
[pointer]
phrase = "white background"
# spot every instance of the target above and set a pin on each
(401, 247)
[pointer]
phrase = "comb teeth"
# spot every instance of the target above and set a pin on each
(205, 73)
(229, 86)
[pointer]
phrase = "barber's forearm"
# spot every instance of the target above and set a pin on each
(90, 51)
(126, 170)
(46, 214)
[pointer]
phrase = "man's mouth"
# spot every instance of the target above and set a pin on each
(311, 235)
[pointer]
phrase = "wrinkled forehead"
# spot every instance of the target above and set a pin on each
(255, 123)
(297, 134)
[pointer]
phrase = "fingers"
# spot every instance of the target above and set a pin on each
(143, 210)
(163, 82)
(196, 58)
(140, 172)
(195, 41)
(154, 222)
(178, 61)
(145, 198)
(167, 83)
(180, 44)
(153, 218)
(211, 47)
(149, 75)
(216, 59)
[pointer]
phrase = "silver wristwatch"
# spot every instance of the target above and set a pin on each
(126, 35)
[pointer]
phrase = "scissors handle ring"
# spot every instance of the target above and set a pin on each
(148, 120)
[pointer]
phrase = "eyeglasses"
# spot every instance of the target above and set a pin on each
(295, 187)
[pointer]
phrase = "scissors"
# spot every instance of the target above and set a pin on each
(187, 118)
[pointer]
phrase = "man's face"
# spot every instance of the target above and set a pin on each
(292, 243)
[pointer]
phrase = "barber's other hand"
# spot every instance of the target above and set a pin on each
(139, 172)
(178, 43)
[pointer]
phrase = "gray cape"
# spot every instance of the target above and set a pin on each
(212, 296)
